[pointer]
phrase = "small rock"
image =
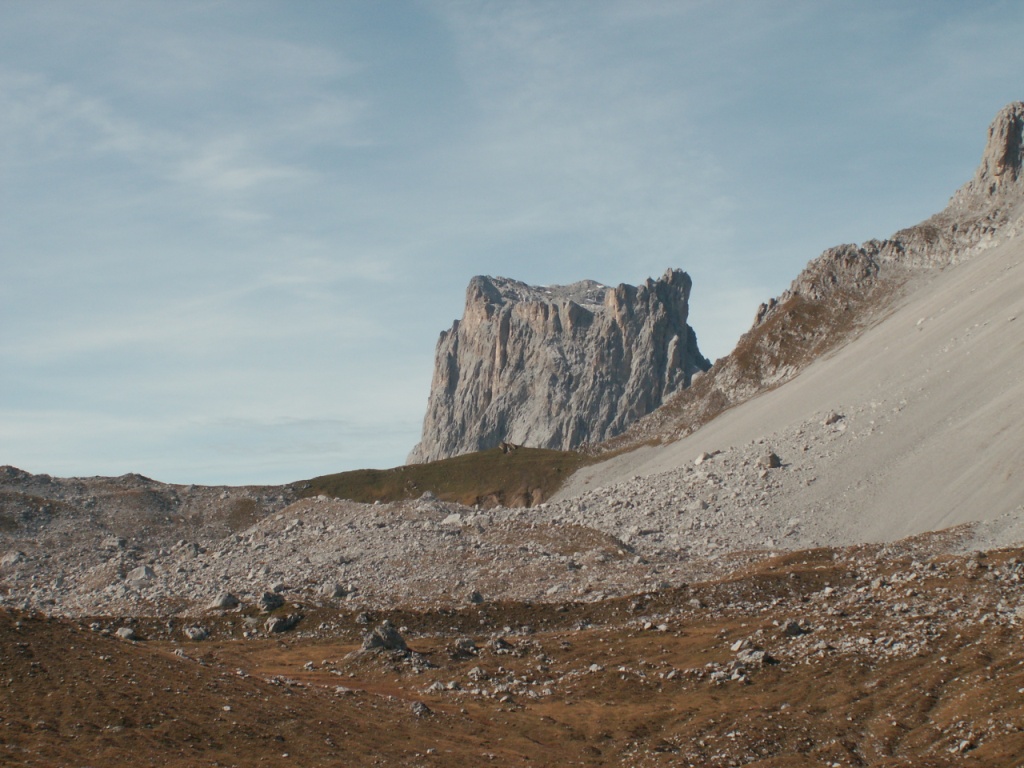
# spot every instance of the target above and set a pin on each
(501, 645)
(831, 418)
(420, 709)
(769, 461)
(385, 637)
(475, 597)
(269, 601)
(793, 628)
(126, 633)
(277, 624)
(224, 601)
(333, 589)
(196, 633)
(142, 573)
(463, 648)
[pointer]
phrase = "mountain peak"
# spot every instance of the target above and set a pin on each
(1000, 169)
(557, 366)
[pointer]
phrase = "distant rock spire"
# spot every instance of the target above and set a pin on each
(999, 173)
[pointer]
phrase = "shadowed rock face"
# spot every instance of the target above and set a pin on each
(557, 366)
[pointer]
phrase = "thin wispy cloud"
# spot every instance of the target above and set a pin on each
(241, 224)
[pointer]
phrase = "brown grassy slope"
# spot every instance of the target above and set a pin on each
(520, 478)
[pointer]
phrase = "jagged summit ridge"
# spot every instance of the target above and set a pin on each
(999, 173)
(557, 366)
(585, 292)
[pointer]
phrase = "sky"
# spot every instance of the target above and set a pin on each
(231, 232)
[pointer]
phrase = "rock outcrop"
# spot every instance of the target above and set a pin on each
(557, 366)
(999, 173)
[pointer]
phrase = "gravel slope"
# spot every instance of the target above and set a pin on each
(932, 434)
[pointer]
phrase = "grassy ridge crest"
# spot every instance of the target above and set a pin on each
(521, 477)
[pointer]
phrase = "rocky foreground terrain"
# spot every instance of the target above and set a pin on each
(810, 557)
(876, 655)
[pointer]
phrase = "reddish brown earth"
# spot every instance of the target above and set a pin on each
(912, 657)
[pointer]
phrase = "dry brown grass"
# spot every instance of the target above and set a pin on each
(71, 696)
(520, 478)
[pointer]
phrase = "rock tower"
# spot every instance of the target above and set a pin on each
(557, 366)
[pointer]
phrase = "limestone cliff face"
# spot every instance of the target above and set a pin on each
(557, 366)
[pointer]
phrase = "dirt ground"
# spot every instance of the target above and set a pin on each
(878, 656)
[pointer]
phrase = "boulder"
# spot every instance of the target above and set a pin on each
(196, 633)
(277, 624)
(385, 638)
(12, 558)
(333, 589)
(270, 601)
(141, 574)
(224, 601)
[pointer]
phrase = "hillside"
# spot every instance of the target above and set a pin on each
(914, 343)
(931, 399)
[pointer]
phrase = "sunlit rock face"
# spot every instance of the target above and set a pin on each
(999, 172)
(557, 366)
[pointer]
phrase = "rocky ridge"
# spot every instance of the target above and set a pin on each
(850, 287)
(557, 366)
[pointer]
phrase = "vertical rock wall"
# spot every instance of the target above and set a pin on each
(557, 366)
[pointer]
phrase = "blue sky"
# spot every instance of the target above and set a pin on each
(230, 232)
